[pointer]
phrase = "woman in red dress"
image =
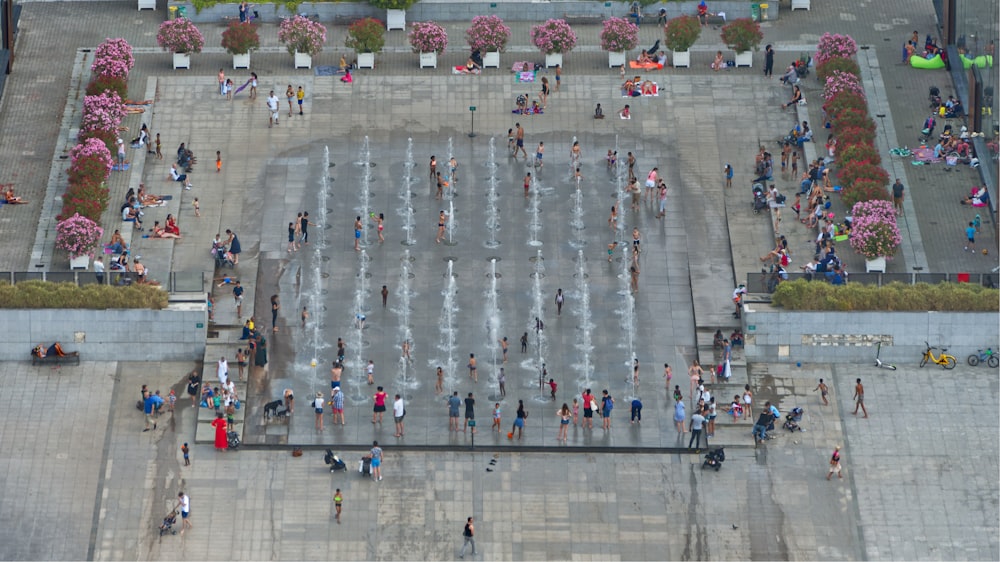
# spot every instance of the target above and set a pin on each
(172, 227)
(221, 442)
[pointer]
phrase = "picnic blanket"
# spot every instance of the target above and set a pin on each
(656, 92)
(522, 66)
(645, 65)
(524, 76)
(926, 155)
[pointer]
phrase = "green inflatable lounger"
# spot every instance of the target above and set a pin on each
(932, 63)
(982, 61)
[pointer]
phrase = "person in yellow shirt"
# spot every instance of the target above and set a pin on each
(300, 95)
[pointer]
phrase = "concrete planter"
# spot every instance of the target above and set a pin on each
(553, 59)
(682, 59)
(616, 58)
(491, 59)
(801, 4)
(147, 5)
(744, 59)
(241, 61)
(395, 19)
(182, 60)
(79, 262)
(428, 60)
(366, 60)
(876, 265)
(303, 60)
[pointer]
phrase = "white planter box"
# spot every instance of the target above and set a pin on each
(491, 59)
(800, 4)
(616, 59)
(744, 59)
(241, 61)
(876, 265)
(682, 59)
(182, 60)
(303, 60)
(366, 60)
(80, 262)
(147, 5)
(428, 60)
(555, 59)
(395, 19)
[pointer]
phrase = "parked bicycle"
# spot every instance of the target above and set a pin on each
(943, 359)
(988, 356)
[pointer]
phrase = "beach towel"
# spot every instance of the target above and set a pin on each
(645, 65)
(925, 155)
(241, 88)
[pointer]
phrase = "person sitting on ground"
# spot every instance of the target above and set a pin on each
(661, 59)
(146, 199)
(628, 87)
(644, 58)
(625, 112)
(719, 63)
(159, 232)
(171, 226)
(347, 78)
(143, 138)
(130, 214)
(648, 88)
(796, 97)
(12, 199)
(717, 340)
(736, 338)
(955, 110)
(978, 198)
(522, 103)
(598, 112)
(176, 175)
(791, 75)
(471, 67)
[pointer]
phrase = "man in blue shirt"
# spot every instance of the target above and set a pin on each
(970, 234)
(147, 408)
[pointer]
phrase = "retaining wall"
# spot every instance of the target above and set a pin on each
(509, 10)
(776, 335)
(176, 333)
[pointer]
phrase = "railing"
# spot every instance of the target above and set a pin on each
(175, 282)
(757, 282)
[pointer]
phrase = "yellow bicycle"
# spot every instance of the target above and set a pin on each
(943, 359)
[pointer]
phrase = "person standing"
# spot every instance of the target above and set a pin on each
(835, 464)
(272, 107)
(99, 270)
(358, 225)
(559, 302)
(519, 140)
(588, 409)
(376, 454)
(768, 61)
(668, 374)
(184, 506)
(275, 306)
(234, 246)
(470, 413)
(565, 415)
(469, 537)
(607, 404)
(970, 235)
(636, 410)
(290, 96)
(662, 212)
(697, 421)
(222, 82)
(503, 348)
(336, 371)
(524, 343)
(385, 295)
(502, 381)
(823, 391)
(337, 402)
(859, 399)
(442, 220)
(379, 408)
(522, 415)
(897, 196)
(304, 225)
(370, 372)
(439, 384)
(679, 416)
(473, 370)
(318, 406)
(300, 95)
(238, 298)
(398, 413)
(650, 184)
(539, 154)
(454, 403)
(634, 274)
(338, 501)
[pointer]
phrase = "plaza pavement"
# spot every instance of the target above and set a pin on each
(262, 489)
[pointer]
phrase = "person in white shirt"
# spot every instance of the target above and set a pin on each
(398, 412)
(184, 504)
(223, 371)
(272, 106)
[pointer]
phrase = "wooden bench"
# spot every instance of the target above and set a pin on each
(583, 19)
(715, 19)
(56, 360)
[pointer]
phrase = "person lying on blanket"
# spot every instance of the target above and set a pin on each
(648, 88)
(12, 199)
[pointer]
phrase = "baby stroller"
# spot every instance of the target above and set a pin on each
(365, 465)
(222, 256)
(168, 524)
(233, 440)
(334, 461)
(792, 420)
(759, 198)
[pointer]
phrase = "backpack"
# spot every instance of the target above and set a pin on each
(780, 199)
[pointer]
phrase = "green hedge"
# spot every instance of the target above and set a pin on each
(41, 294)
(899, 297)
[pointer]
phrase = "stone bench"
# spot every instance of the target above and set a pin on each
(808, 148)
(54, 360)
(583, 19)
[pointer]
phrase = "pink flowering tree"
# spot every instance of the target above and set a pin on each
(874, 232)
(553, 36)
(180, 36)
(104, 112)
(428, 37)
(95, 153)
(487, 33)
(619, 35)
(839, 82)
(78, 236)
(113, 58)
(302, 35)
(834, 45)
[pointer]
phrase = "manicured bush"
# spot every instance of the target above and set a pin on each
(619, 35)
(856, 152)
(41, 294)
(487, 33)
(839, 65)
(855, 135)
(874, 232)
(842, 82)
(78, 236)
(428, 37)
(240, 38)
(854, 171)
(553, 36)
(844, 100)
(365, 36)
(862, 190)
(106, 137)
(180, 36)
(113, 58)
(102, 83)
(302, 35)
(681, 32)
(105, 111)
(834, 46)
(851, 118)
(742, 35)
(921, 297)
(86, 199)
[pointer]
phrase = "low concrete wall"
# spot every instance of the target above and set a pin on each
(776, 335)
(176, 333)
(509, 10)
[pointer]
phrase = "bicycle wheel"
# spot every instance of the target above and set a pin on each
(993, 361)
(949, 362)
(973, 359)
(923, 360)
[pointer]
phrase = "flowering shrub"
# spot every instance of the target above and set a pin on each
(834, 46)
(106, 137)
(553, 36)
(681, 32)
(365, 36)
(92, 152)
(113, 58)
(302, 35)
(851, 173)
(844, 100)
(78, 236)
(742, 35)
(180, 36)
(240, 38)
(857, 152)
(104, 83)
(392, 4)
(837, 64)
(428, 37)
(87, 200)
(874, 232)
(104, 111)
(842, 82)
(619, 35)
(855, 135)
(487, 33)
(863, 190)
(852, 118)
